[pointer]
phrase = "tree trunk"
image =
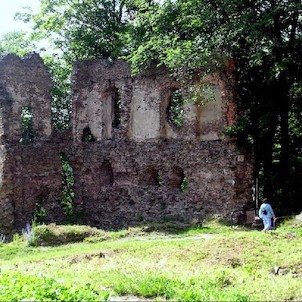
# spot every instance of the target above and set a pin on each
(285, 148)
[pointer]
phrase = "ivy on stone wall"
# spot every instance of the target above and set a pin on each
(68, 194)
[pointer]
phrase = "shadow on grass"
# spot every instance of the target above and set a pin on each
(211, 227)
(176, 228)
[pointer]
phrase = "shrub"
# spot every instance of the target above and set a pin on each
(53, 234)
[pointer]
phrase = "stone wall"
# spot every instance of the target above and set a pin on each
(133, 165)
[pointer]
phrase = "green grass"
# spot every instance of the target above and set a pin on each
(159, 262)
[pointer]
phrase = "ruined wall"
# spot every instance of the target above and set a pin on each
(28, 171)
(130, 163)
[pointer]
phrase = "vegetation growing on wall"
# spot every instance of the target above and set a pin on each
(67, 194)
(184, 184)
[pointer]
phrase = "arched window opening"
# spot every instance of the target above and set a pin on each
(116, 108)
(27, 132)
(175, 108)
(87, 135)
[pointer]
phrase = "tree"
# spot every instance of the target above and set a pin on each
(60, 71)
(82, 29)
(17, 42)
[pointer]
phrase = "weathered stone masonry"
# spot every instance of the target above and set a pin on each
(132, 171)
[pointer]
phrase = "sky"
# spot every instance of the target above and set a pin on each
(8, 10)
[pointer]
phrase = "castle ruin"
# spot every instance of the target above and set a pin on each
(129, 168)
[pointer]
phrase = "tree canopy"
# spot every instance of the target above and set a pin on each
(17, 42)
(82, 29)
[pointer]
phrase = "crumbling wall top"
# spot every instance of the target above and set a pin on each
(25, 91)
(88, 72)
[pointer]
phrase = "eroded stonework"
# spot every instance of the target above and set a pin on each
(132, 169)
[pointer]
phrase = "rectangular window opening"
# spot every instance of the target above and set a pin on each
(175, 108)
(116, 108)
(27, 132)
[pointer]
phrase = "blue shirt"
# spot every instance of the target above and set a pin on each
(269, 211)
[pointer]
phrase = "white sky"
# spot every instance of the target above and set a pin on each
(8, 8)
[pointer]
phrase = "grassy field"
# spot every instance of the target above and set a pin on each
(168, 262)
